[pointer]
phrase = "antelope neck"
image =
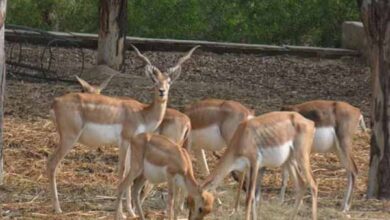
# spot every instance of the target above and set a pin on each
(192, 185)
(155, 112)
(221, 170)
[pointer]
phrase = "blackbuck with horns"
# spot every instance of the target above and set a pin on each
(94, 119)
(175, 125)
(276, 139)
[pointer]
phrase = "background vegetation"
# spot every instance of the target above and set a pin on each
(300, 22)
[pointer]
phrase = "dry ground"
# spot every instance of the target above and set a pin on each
(88, 176)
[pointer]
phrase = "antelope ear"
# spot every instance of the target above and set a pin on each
(208, 199)
(104, 84)
(174, 73)
(86, 86)
(152, 72)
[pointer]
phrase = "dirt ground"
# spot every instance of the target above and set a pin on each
(87, 179)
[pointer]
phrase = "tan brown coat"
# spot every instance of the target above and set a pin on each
(213, 123)
(270, 140)
(157, 159)
(342, 120)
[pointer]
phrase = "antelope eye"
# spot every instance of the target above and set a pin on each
(200, 210)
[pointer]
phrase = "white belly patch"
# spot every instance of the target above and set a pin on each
(97, 134)
(140, 129)
(208, 138)
(275, 156)
(155, 174)
(324, 139)
(151, 127)
(240, 164)
(179, 181)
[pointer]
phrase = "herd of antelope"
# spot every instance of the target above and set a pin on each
(155, 143)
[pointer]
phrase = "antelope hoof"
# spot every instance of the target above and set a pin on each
(120, 216)
(181, 208)
(58, 210)
(233, 212)
(345, 209)
(130, 210)
(131, 213)
(345, 213)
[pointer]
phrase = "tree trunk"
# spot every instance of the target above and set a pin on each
(112, 32)
(3, 7)
(376, 19)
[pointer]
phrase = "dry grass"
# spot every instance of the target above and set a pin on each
(87, 179)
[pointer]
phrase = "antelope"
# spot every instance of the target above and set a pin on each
(271, 140)
(93, 119)
(175, 125)
(88, 88)
(335, 123)
(213, 123)
(158, 159)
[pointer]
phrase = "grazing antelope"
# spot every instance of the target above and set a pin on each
(175, 125)
(94, 119)
(157, 159)
(335, 123)
(213, 123)
(271, 140)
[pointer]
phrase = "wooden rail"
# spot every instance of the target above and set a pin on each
(153, 44)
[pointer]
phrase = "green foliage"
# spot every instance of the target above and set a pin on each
(64, 15)
(301, 22)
